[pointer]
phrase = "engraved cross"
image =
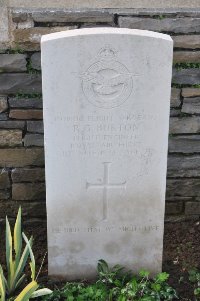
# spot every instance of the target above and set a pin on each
(105, 185)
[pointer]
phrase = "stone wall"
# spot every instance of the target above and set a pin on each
(21, 128)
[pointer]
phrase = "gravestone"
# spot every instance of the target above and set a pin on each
(106, 98)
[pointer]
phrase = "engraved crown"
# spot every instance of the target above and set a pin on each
(107, 52)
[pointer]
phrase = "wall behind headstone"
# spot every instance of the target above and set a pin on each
(21, 128)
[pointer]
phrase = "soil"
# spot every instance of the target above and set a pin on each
(181, 253)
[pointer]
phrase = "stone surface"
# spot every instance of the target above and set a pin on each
(3, 116)
(4, 32)
(20, 83)
(29, 23)
(183, 166)
(192, 208)
(36, 61)
(4, 179)
(102, 167)
(29, 209)
(67, 16)
(34, 103)
(106, 4)
(3, 104)
(187, 41)
(184, 144)
(28, 175)
(29, 39)
(184, 125)
(4, 194)
(12, 62)
(21, 157)
(191, 105)
(174, 208)
(175, 112)
(186, 76)
(183, 187)
(26, 114)
(33, 140)
(28, 191)
(10, 138)
(175, 25)
(186, 57)
(35, 126)
(175, 98)
(12, 124)
(190, 92)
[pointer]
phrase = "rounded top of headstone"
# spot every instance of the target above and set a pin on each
(104, 30)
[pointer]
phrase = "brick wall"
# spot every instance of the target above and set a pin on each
(21, 128)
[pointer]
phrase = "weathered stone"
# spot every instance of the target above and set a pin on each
(29, 39)
(19, 15)
(190, 92)
(183, 166)
(175, 25)
(12, 62)
(3, 116)
(183, 187)
(187, 41)
(186, 57)
(184, 144)
(35, 127)
(183, 199)
(184, 125)
(68, 16)
(33, 140)
(29, 209)
(20, 157)
(10, 138)
(29, 23)
(28, 175)
(191, 105)
(11, 124)
(175, 98)
(105, 112)
(175, 112)
(173, 208)
(174, 218)
(186, 5)
(4, 179)
(4, 24)
(35, 103)
(4, 194)
(36, 61)
(28, 191)
(3, 104)
(192, 208)
(20, 83)
(186, 76)
(26, 114)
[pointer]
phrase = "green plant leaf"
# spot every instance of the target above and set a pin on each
(9, 259)
(27, 291)
(22, 263)
(32, 263)
(18, 238)
(2, 285)
(161, 277)
(41, 292)
(144, 273)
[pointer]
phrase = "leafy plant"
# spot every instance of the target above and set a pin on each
(114, 284)
(16, 264)
(194, 277)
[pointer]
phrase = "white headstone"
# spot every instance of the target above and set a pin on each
(106, 98)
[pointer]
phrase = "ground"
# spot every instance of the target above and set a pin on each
(181, 252)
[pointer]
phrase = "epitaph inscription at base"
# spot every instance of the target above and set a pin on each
(106, 98)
